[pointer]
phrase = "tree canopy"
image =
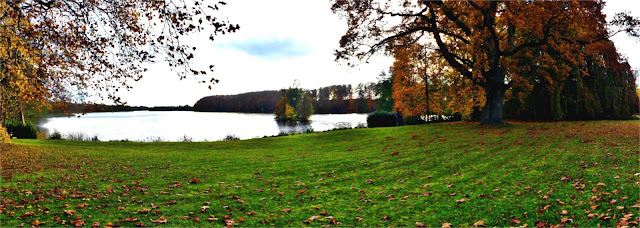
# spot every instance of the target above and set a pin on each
(483, 41)
(65, 49)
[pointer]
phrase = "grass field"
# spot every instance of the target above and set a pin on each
(459, 174)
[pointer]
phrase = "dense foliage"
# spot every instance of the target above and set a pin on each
(382, 119)
(21, 130)
(490, 44)
(384, 91)
(603, 88)
(294, 105)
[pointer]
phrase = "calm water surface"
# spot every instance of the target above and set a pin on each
(200, 126)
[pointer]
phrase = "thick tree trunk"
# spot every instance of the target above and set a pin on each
(492, 110)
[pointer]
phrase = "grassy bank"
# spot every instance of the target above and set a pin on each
(571, 173)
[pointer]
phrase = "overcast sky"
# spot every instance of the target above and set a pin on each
(279, 42)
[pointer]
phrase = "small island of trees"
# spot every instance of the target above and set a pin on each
(294, 105)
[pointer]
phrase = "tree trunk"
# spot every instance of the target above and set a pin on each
(21, 113)
(1, 119)
(492, 110)
(426, 89)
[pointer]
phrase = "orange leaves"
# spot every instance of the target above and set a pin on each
(37, 223)
(69, 212)
(145, 210)
(162, 219)
(478, 223)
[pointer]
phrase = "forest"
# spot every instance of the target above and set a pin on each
(335, 99)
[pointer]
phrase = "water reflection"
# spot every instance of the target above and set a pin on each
(200, 126)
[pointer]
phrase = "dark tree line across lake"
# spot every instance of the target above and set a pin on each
(336, 99)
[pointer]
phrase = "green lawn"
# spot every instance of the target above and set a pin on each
(574, 173)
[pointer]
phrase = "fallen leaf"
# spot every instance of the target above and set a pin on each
(446, 225)
(37, 223)
(162, 219)
(145, 210)
(478, 223)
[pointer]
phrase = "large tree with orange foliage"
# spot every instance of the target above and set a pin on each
(481, 40)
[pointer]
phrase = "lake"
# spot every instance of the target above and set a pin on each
(199, 126)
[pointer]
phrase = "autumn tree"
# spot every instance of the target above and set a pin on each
(64, 50)
(481, 40)
(419, 85)
(602, 88)
(294, 105)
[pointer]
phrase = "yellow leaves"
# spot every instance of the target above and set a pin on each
(289, 112)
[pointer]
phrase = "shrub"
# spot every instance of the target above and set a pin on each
(148, 139)
(457, 116)
(5, 137)
(341, 126)
(381, 119)
(186, 138)
(413, 120)
(361, 125)
(309, 130)
(22, 131)
(55, 135)
(230, 137)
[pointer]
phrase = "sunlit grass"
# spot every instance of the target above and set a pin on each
(582, 173)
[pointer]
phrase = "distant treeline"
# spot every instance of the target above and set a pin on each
(86, 108)
(336, 99)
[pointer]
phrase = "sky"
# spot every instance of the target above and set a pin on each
(280, 42)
